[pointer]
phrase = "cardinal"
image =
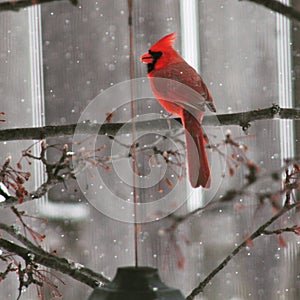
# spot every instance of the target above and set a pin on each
(164, 62)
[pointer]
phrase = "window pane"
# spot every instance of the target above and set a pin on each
(58, 58)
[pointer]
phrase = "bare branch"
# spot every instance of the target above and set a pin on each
(13, 231)
(17, 5)
(57, 172)
(289, 185)
(258, 232)
(279, 7)
(40, 256)
(242, 119)
(38, 193)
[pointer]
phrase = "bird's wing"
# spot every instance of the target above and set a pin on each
(183, 85)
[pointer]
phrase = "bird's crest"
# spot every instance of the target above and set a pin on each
(165, 42)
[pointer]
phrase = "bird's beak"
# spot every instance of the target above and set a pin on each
(146, 58)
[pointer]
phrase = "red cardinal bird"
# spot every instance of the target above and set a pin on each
(164, 62)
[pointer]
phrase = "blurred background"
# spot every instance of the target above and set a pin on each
(56, 58)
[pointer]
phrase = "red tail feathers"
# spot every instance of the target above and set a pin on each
(199, 172)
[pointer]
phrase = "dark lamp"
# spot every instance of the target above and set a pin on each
(136, 283)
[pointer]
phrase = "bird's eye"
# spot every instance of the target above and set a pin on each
(155, 54)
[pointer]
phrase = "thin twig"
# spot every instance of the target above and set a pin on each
(294, 229)
(38, 193)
